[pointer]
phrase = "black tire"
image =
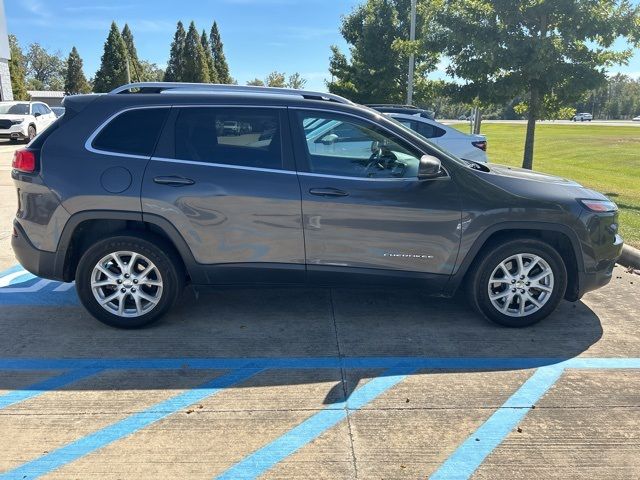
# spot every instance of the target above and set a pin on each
(157, 251)
(480, 274)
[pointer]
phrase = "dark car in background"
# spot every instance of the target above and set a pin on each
(138, 192)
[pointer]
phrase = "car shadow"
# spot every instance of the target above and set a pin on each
(294, 324)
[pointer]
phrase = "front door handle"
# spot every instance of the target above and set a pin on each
(174, 181)
(328, 192)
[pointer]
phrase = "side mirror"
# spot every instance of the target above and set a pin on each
(430, 167)
(37, 114)
(329, 139)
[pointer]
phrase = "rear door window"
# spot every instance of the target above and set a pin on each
(248, 137)
(134, 132)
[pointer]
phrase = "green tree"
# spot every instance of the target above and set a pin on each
(75, 82)
(44, 70)
(206, 46)
(219, 59)
(135, 68)
(276, 79)
(17, 70)
(377, 33)
(256, 82)
(296, 81)
(550, 52)
(175, 66)
(150, 72)
(196, 69)
(113, 66)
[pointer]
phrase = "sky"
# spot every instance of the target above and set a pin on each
(259, 36)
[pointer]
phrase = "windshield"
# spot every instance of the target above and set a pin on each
(14, 108)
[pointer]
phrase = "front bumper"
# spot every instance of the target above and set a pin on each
(39, 262)
(592, 280)
(16, 132)
(13, 135)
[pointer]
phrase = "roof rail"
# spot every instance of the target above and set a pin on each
(391, 105)
(175, 87)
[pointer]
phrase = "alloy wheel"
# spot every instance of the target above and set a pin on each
(521, 285)
(126, 284)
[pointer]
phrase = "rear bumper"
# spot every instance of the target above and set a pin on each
(40, 263)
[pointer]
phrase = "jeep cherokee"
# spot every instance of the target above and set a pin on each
(137, 192)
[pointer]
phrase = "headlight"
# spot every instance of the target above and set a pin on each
(600, 206)
(17, 121)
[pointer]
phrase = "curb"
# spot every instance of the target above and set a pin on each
(630, 257)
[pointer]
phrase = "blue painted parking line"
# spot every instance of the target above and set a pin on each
(19, 287)
(64, 455)
(196, 363)
(46, 385)
(268, 456)
(469, 456)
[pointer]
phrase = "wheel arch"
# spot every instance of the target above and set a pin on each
(84, 228)
(561, 237)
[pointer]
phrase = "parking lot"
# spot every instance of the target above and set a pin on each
(314, 384)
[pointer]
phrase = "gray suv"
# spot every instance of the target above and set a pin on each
(138, 192)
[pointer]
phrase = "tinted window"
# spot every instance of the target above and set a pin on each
(247, 137)
(425, 129)
(45, 109)
(345, 146)
(134, 132)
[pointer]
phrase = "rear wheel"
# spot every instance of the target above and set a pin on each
(518, 283)
(128, 281)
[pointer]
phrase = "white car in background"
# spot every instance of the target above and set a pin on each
(24, 120)
(636, 119)
(582, 117)
(462, 145)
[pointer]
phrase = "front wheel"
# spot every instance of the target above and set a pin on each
(31, 133)
(518, 283)
(128, 281)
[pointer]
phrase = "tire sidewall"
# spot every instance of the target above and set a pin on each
(172, 279)
(480, 295)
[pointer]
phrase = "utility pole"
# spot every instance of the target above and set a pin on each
(412, 57)
(128, 72)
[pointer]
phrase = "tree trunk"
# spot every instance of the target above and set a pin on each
(477, 120)
(527, 161)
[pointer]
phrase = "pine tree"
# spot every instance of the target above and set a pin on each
(219, 60)
(206, 46)
(196, 68)
(113, 67)
(75, 82)
(175, 67)
(17, 70)
(134, 62)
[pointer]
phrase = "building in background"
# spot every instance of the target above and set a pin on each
(6, 94)
(50, 97)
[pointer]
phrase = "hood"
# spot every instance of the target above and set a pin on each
(11, 116)
(524, 174)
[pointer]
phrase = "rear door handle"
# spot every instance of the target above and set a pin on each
(328, 192)
(174, 181)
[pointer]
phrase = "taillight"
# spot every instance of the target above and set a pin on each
(482, 145)
(24, 161)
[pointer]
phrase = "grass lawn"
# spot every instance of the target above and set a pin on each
(604, 158)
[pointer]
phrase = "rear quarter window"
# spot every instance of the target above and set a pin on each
(134, 132)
